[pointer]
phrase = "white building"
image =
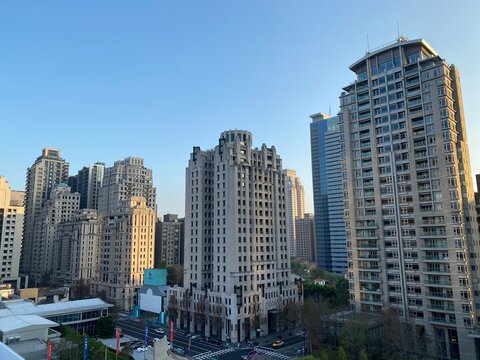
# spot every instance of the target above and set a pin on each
(237, 262)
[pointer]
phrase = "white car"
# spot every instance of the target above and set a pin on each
(142, 349)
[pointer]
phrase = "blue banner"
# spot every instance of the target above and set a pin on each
(146, 335)
(85, 348)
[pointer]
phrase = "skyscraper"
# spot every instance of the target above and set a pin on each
(295, 203)
(48, 171)
(126, 178)
(87, 183)
(305, 239)
(412, 233)
(237, 263)
(126, 250)
(58, 209)
(330, 243)
(170, 244)
(11, 230)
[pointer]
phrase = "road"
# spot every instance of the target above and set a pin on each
(199, 349)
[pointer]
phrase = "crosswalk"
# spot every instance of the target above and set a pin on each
(272, 353)
(210, 354)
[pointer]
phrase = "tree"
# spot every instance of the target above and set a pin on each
(290, 316)
(317, 318)
(363, 355)
(175, 275)
(354, 334)
(172, 308)
(105, 327)
(341, 354)
(81, 289)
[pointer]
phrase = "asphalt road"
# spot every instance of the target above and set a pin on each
(136, 328)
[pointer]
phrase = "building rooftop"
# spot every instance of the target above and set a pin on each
(11, 323)
(26, 307)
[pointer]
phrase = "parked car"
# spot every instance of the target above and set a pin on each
(215, 341)
(179, 350)
(142, 349)
(277, 344)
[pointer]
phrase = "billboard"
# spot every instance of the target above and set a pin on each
(155, 277)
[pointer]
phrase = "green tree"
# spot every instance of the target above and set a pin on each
(175, 275)
(323, 355)
(105, 327)
(363, 355)
(341, 354)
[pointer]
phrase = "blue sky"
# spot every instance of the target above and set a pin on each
(110, 79)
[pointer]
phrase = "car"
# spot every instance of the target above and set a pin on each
(300, 333)
(277, 343)
(215, 342)
(178, 350)
(193, 337)
(159, 331)
(142, 348)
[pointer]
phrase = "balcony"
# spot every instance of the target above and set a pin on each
(449, 307)
(435, 245)
(439, 295)
(439, 282)
(436, 270)
(435, 258)
(442, 320)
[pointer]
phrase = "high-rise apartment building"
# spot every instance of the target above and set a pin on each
(87, 183)
(11, 231)
(126, 250)
(58, 209)
(48, 171)
(77, 248)
(237, 260)
(170, 241)
(126, 178)
(330, 243)
(412, 233)
(477, 198)
(295, 203)
(305, 239)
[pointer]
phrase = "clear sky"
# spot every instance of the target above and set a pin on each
(102, 80)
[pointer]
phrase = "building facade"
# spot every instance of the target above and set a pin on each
(88, 183)
(170, 241)
(412, 234)
(48, 171)
(77, 245)
(330, 242)
(305, 239)
(60, 208)
(126, 250)
(295, 203)
(11, 231)
(237, 260)
(126, 178)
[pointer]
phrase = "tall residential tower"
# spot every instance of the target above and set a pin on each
(88, 183)
(237, 263)
(412, 233)
(48, 171)
(295, 203)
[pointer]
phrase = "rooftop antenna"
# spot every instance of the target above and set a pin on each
(368, 45)
(398, 32)
(330, 110)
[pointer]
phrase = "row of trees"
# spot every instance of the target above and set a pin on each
(71, 346)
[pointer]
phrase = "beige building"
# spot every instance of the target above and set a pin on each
(77, 248)
(237, 263)
(412, 234)
(126, 178)
(126, 250)
(305, 239)
(11, 230)
(48, 171)
(169, 241)
(58, 209)
(295, 203)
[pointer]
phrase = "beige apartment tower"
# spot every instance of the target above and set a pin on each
(237, 263)
(126, 250)
(48, 171)
(295, 203)
(412, 233)
(11, 230)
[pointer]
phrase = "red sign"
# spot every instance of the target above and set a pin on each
(171, 332)
(118, 341)
(49, 351)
